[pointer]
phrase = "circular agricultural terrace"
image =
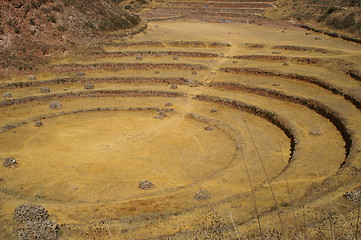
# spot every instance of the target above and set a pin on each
(192, 129)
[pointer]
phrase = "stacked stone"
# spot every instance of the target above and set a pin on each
(33, 223)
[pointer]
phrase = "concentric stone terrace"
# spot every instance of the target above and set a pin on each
(244, 131)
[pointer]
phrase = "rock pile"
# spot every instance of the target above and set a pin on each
(161, 115)
(315, 132)
(354, 196)
(89, 86)
(202, 195)
(173, 86)
(208, 128)
(7, 95)
(32, 222)
(145, 184)
(55, 105)
(38, 124)
(9, 162)
(29, 212)
(32, 77)
(44, 89)
(80, 74)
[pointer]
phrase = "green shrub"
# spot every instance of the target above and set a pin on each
(343, 23)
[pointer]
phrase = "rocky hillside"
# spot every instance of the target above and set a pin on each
(36, 28)
(339, 16)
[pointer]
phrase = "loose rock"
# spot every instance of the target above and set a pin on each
(89, 86)
(202, 195)
(208, 128)
(80, 74)
(9, 162)
(145, 184)
(161, 115)
(194, 72)
(175, 58)
(55, 105)
(173, 86)
(139, 58)
(32, 77)
(315, 132)
(213, 110)
(353, 196)
(7, 95)
(39, 123)
(44, 89)
(168, 104)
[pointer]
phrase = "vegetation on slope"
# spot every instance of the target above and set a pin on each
(340, 16)
(32, 29)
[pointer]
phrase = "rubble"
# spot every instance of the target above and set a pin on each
(145, 184)
(202, 195)
(9, 162)
(38, 124)
(353, 196)
(161, 115)
(44, 89)
(315, 132)
(89, 86)
(80, 74)
(208, 128)
(55, 105)
(32, 77)
(7, 95)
